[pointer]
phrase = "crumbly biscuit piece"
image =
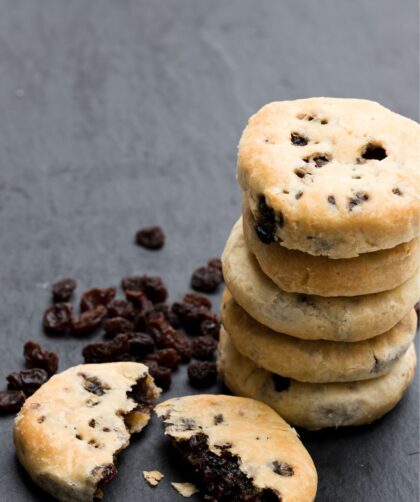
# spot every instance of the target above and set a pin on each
(329, 176)
(240, 449)
(68, 433)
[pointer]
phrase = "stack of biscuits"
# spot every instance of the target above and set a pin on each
(322, 269)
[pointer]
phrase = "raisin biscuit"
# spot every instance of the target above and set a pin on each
(297, 272)
(240, 449)
(332, 177)
(316, 361)
(313, 405)
(311, 317)
(68, 433)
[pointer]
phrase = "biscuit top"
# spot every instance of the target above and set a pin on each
(330, 166)
(268, 449)
(67, 433)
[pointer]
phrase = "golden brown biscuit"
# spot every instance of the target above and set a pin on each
(242, 446)
(297, 272)
(314, 405)
(329, 176)
(67, 433)
(316, 361)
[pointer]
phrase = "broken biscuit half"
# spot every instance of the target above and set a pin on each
(68, 433)
(239, 449)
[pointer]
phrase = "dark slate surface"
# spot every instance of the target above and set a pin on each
(120, 113)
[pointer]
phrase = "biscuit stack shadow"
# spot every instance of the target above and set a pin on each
(318, 315)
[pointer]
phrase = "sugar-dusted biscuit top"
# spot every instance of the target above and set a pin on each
(330, 176)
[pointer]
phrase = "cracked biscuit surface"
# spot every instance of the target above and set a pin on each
(330, 176)
(313, 405)
(297, 272)
(316, 361)
(68, 433)
(240, 449)
(311, 317)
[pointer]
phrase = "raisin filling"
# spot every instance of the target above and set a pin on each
(220, 475)
(142, 393)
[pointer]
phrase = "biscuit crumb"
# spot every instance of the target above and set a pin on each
(185, 489)
(153, 477)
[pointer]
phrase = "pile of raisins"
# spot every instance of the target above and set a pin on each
(41, 365)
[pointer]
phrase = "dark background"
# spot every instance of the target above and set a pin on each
(115, 114)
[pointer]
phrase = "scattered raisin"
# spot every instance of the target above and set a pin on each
(139, 344)
(331, 199)
(215, 263)
(166, 357)
(169, 315)
(27, 381)
(396, 191)
(63, 290)
(88, 321)
(150, 238)
(105, 473)
(37, 357)
(161, 375)
(203, 347)
(206, 279)
(152, 286)
(202, 374)
(95, 297)
(180, 343)
(210, 327)
(298, 140)
(121, 308)
(11, 400)
(142, 305)
(117, 325)
(57, 318)
(98, 352)
(198, 300)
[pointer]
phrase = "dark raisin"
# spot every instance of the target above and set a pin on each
(396, 191)
(265, 211)
(203, 347)
(93, 385)
(95, 297)
(374, 152)
(331, 199)
(265, 232)
(202, 374)
(417, 309)
(121, 308)
(218, 419)
(180, 343)
(88, 321)
(142, 305)
(169, 315)
(358, 198)
(117, 325)
(198, 300)
(282, 469)
(280, 383)
(161, 375)
(105, 473)
(150, 238)
(211, 328)
(152, 286)
(300, 173)
(318, 159)
(298, 140)
(215, 263)
(37, 357)
(140, 344)
(157, 327)
(166, 357)
(98, 352)
(298, 195)
(27, 381)
(11, 400)
(194, 317)
(63, 290)
(57, 319)
(206, 279)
